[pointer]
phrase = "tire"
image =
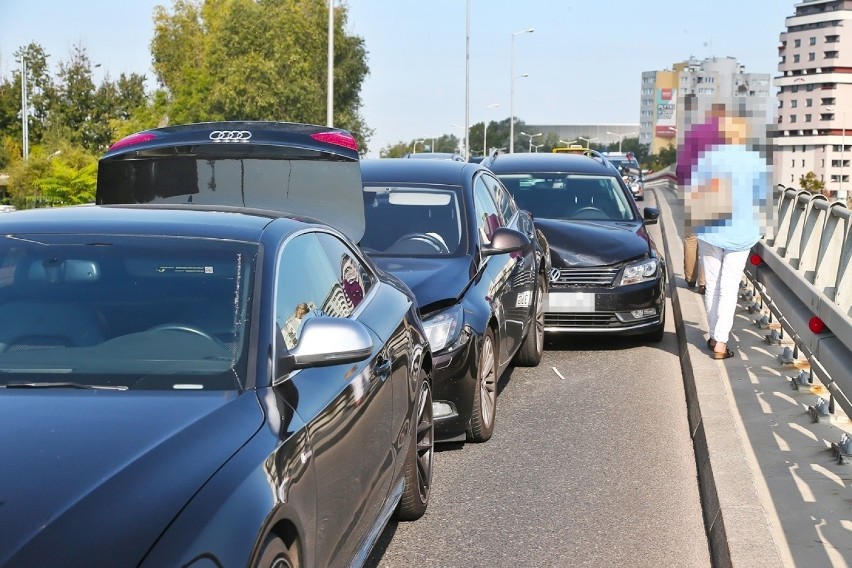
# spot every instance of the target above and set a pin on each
(275, 554)
(529, 355)
(419, 460)
(484, 392)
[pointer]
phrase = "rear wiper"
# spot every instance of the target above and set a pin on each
(62, 385)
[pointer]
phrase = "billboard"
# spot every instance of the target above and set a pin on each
(666, 113)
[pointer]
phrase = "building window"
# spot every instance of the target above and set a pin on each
(797, 43)
(809, 87)
(807, 118)
(796, 58)
(828, 101)
(794, 103)
(812, 56)
(812, 41)
(809, 102)
(831, 55)
(783, 59)
(803, 163)
(792, 163)
(780, 104)
(792, 118)
(794, 89)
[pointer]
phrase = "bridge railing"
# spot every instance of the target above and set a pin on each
(805, 272)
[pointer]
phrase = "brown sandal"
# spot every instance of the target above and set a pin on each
(711, 344)
(726, 355)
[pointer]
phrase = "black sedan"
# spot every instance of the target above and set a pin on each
(607, 275)
(188, 384)
(474, 261)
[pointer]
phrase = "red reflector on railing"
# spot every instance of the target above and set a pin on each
(816, 325)
(337, 138)
(755, 260)
(132, 139)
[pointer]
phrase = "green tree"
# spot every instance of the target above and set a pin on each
(443, 143)
(257, 60)
(39, 96)
(810, 182)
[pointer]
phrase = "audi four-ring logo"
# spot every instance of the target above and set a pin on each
(230, 136)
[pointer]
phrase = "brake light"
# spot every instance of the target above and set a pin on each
(133, 139)
(339, 138)
(755, 259)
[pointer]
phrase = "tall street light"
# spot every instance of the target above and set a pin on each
(485, 131)
(512, 89)
(536, 147)
(329, 103)
(531, 137)
(25, 122)
(588, 140)
(567, 143)
(414, 146)
(621, 137)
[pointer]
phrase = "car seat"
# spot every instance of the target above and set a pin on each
(49, 324)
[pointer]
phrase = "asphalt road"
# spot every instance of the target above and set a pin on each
(591, 464)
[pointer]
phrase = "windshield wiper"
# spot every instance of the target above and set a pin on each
(62, 385)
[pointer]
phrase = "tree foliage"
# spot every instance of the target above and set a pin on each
(810, 182)
(257, 60)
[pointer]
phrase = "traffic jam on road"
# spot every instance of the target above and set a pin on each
(254, 323)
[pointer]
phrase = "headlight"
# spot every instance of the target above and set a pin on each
(443, 328)
(641, 271)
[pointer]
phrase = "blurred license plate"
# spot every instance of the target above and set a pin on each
(570, 302)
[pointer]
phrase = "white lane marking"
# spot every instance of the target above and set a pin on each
(558, 374)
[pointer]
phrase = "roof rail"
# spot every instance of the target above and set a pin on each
(595, 154)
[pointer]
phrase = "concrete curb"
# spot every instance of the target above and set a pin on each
(738, 531)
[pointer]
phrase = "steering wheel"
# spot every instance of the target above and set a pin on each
(184, 328)
(431, 240)
(584, 210)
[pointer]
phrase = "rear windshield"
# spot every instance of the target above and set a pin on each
(129, 312)
(570, 196)
(278, 178)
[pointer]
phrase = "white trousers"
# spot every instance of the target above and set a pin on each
(723, 270)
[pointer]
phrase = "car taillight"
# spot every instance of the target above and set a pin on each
(337, 138)
(133, 139)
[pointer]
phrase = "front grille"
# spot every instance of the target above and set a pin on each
(602, 320)
(582, 277)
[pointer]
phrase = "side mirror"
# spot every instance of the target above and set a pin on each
(326, 341)
(650, 215)
(505, 240)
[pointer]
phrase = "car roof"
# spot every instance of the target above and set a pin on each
(315, 172)
(435, 156)
(397, 170)
(544, 162)
(183, 220)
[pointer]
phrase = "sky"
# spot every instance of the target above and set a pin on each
(584, 59)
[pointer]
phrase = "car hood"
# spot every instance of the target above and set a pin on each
(593, 243)
(94, 476)
(432, 280)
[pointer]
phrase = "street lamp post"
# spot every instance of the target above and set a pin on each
(621, 137)
(512, 89)
(567, 143)
(531, 136)
(25, 122)
(536, 147)
(588, 140)
(414, 146)
(329, 103)
(485, 130)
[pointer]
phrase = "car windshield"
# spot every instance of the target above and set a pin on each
(124, 312)
(570, 196)
(630, 165)
(413, 221)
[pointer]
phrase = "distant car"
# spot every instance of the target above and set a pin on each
(435, 156)
(632, 174)
(191, 374)
(478, 268)
(607, 276)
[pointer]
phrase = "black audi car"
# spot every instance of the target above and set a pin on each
(478, 268)
(187, 382)
(607, 276)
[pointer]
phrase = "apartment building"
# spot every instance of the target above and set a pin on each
(671, 99)
(814, 130)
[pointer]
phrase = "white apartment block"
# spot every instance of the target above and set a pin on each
(815, 96)
(696, 84)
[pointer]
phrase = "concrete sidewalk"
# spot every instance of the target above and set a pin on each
(773, 493)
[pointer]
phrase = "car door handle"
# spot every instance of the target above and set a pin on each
(382, 367)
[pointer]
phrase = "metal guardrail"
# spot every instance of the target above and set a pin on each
(806, 272)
